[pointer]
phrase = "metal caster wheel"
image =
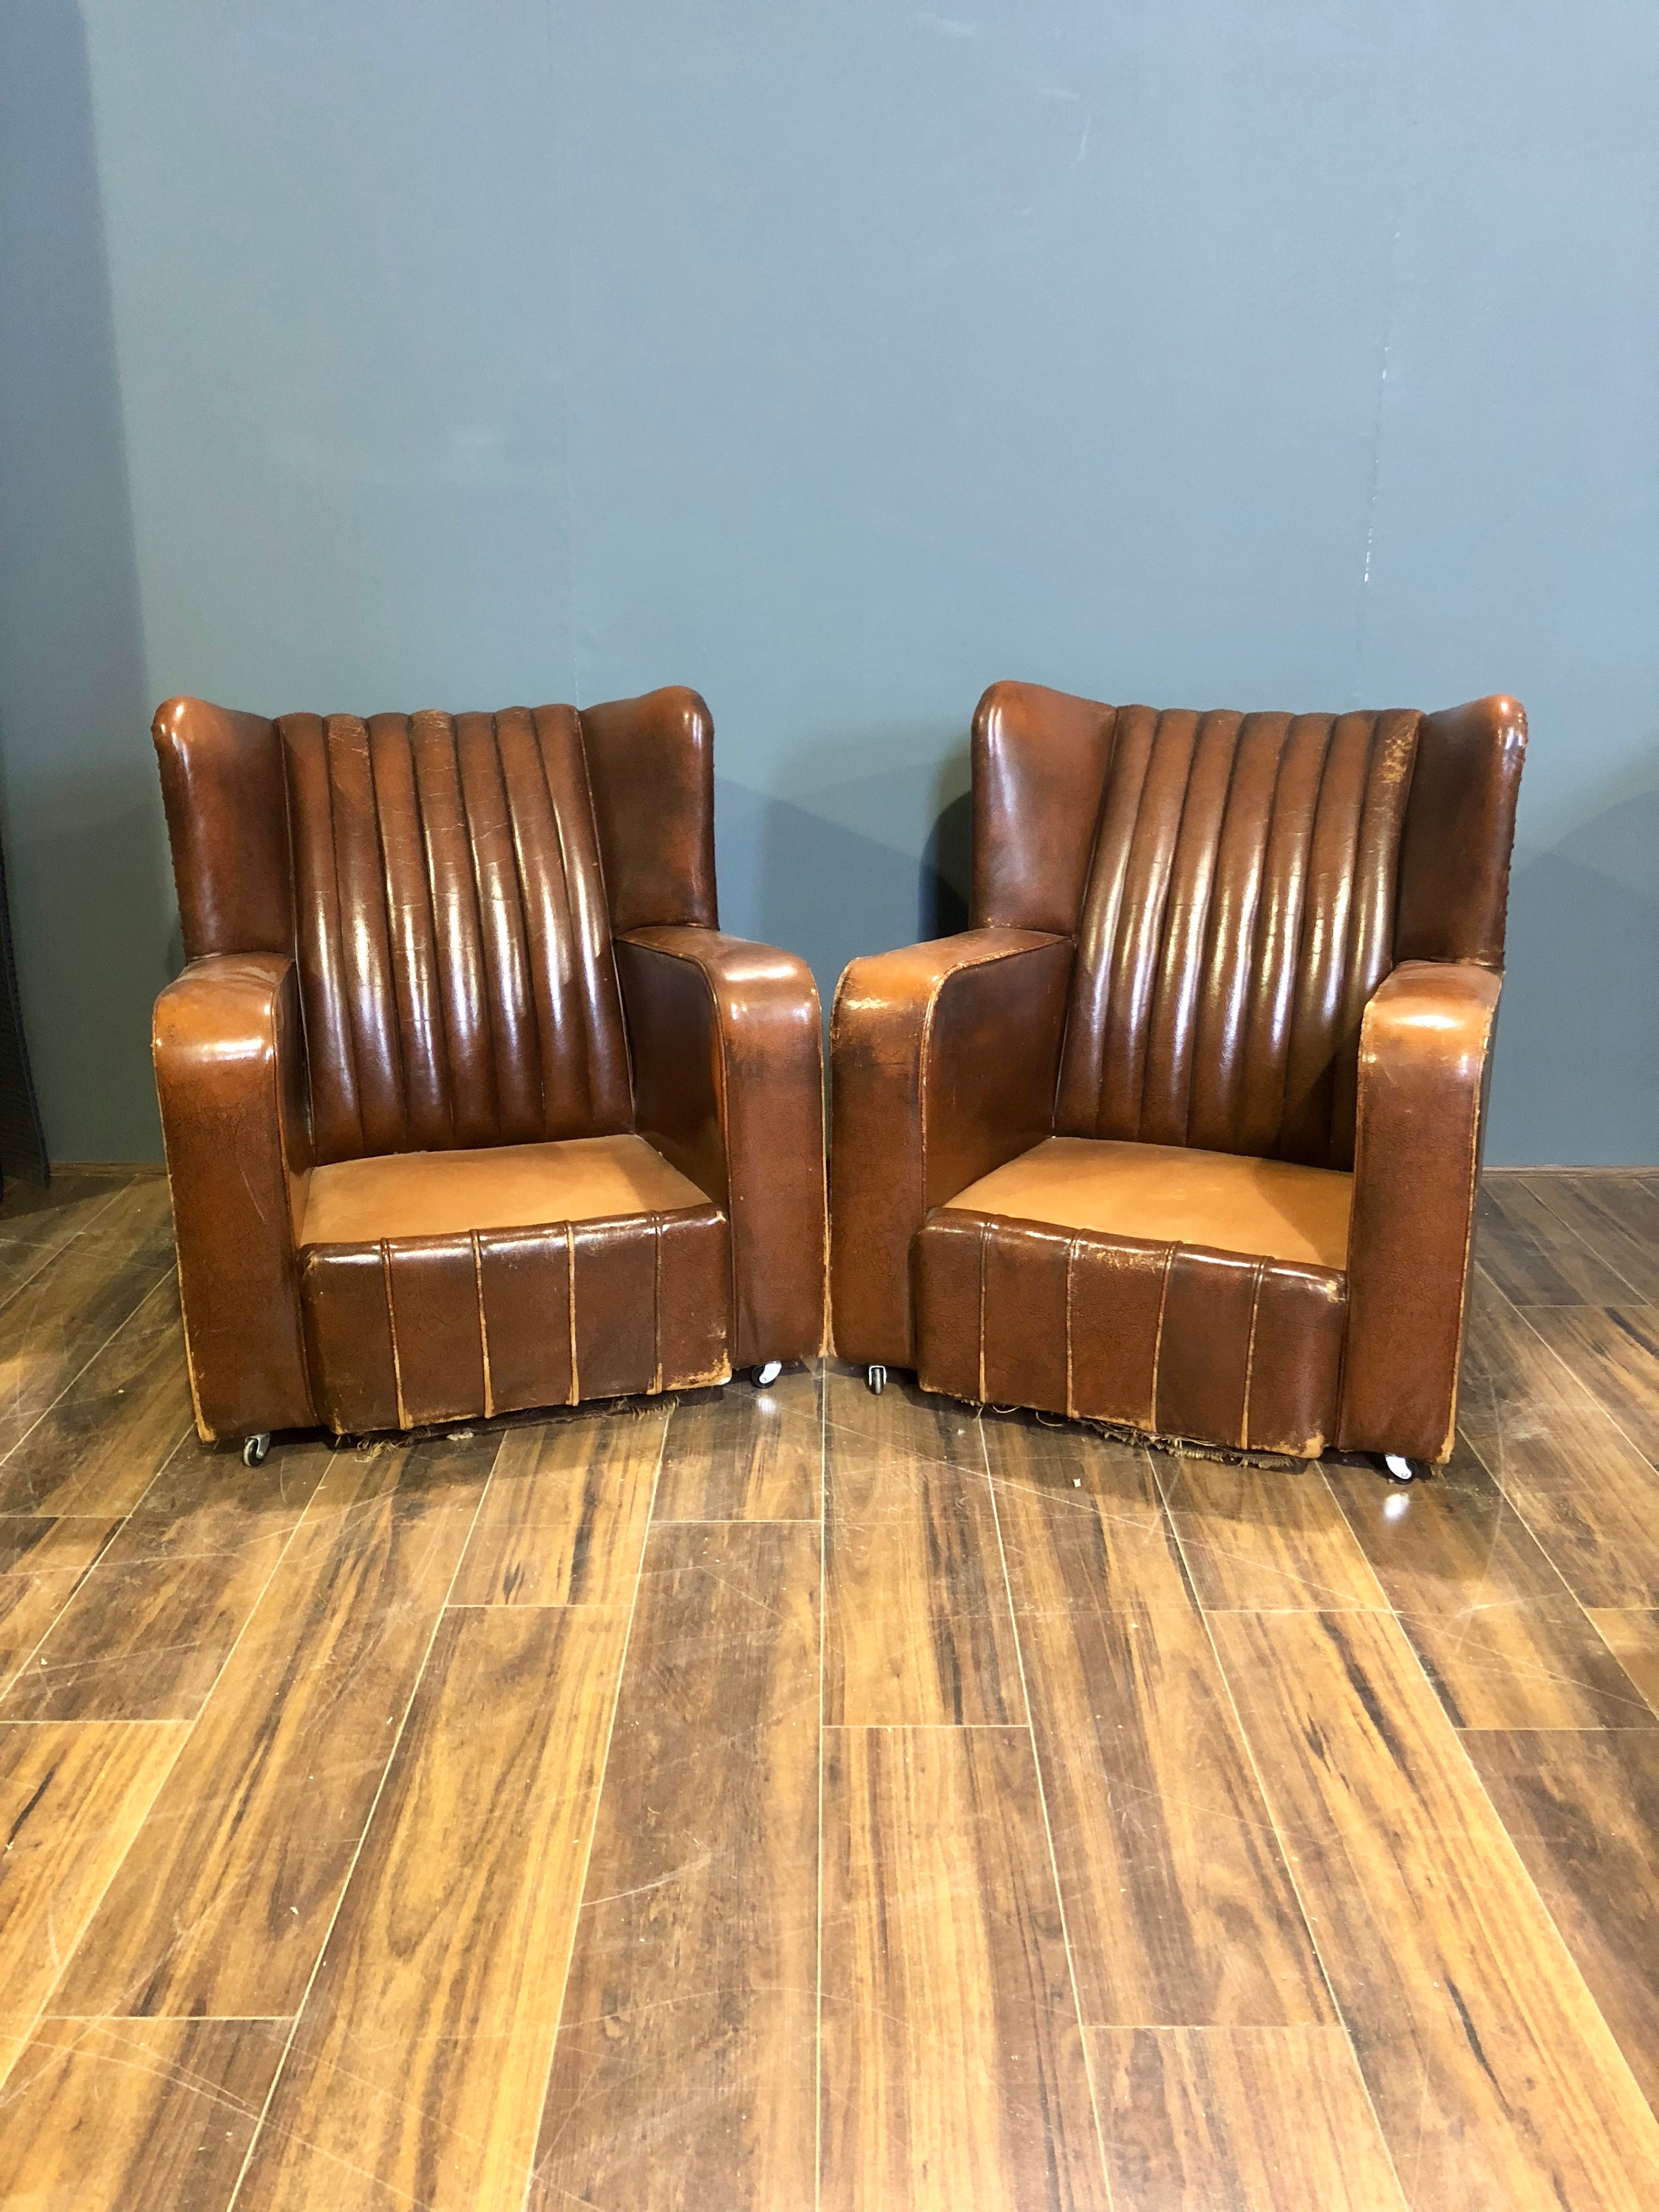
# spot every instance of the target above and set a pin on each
(766, 1373)
(254, 1450)
(1398, 1469)
(877, 1379)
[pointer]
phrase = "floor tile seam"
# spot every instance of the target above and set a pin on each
(1601, 1258)
(58, 1250)
(41, 2013)
(1499, 1832)
(556, 2011)
(1287, 1861)
(188, 1720)
(1095, 2112)
(17, 1443)
(1496, 1476)
(419, 1675)
(1522, 1314)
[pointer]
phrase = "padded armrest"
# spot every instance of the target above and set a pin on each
(1424, 1061)
(944, 1059)
(229, 1072)
(727, 1041)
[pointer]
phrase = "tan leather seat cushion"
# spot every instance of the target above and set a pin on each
(1170, 1195)
(404, 1195)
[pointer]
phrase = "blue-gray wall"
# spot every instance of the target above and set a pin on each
(836, 359)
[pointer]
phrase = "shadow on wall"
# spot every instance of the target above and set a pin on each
(92, 903)
(793, 876)
(1587, 1030)
(1583, 1022)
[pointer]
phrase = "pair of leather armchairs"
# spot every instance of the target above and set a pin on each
(470, 1107)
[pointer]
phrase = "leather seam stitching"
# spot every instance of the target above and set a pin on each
(391, 1327)
(656, 1298)
(483, 1328)
(386, 892)
(1071, 1265)
(1160, 950)
(1249, 1356)
(1157, 1339)
(350, 1024)
(511, 813)
(574, 1399)
(441, 990)
(984, 1232)
(1204, 942)
(609, 919)
(586, 1026)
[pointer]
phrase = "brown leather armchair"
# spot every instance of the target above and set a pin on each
(469, 1106)
(1182, 1134)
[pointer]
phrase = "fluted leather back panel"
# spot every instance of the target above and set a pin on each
(1238, 913)
(451, 928)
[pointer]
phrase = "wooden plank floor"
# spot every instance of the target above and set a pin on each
(791, 1799)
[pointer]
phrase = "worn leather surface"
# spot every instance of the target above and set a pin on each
(1239, 912)
(222, 785)
(728, 1070)
(398, 1099)
(1239, 888)
(1424, 1064)
(1171, 1339)
(503, 1186)
(1264, 1208)
(1460, 830)
(453, 939)
(229, 1072)
(652, 763)
(1039, 760)
(411, 1329)
(943, 1060)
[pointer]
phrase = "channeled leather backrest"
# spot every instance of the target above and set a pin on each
(1238, 912)
(451, 929)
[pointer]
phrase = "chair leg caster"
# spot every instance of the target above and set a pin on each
(1398, 1468)
(877, 1379)
(254, 1450)
(768, 1371)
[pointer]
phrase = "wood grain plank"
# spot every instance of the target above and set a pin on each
(97, 1449)
(684, 2071)
(1532, 1255)
(134, 2116)
(1587, 1494)
(60, 1317)
(1263, 1539)
(1582, 1810)
(36, 1224)
(1616, 1217)
(1613, 1351)
(746, 1455)
(563, 1521)
(42, 1564)
(148, 1627)
(1501, 1638)
(1495, 2078)
(954, 2070)
(223, 1904)
(1179, 1907)
(1239, 2119)
(420, 2060)
(917, 1627)
(72, 1797)
(1634, 1639)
